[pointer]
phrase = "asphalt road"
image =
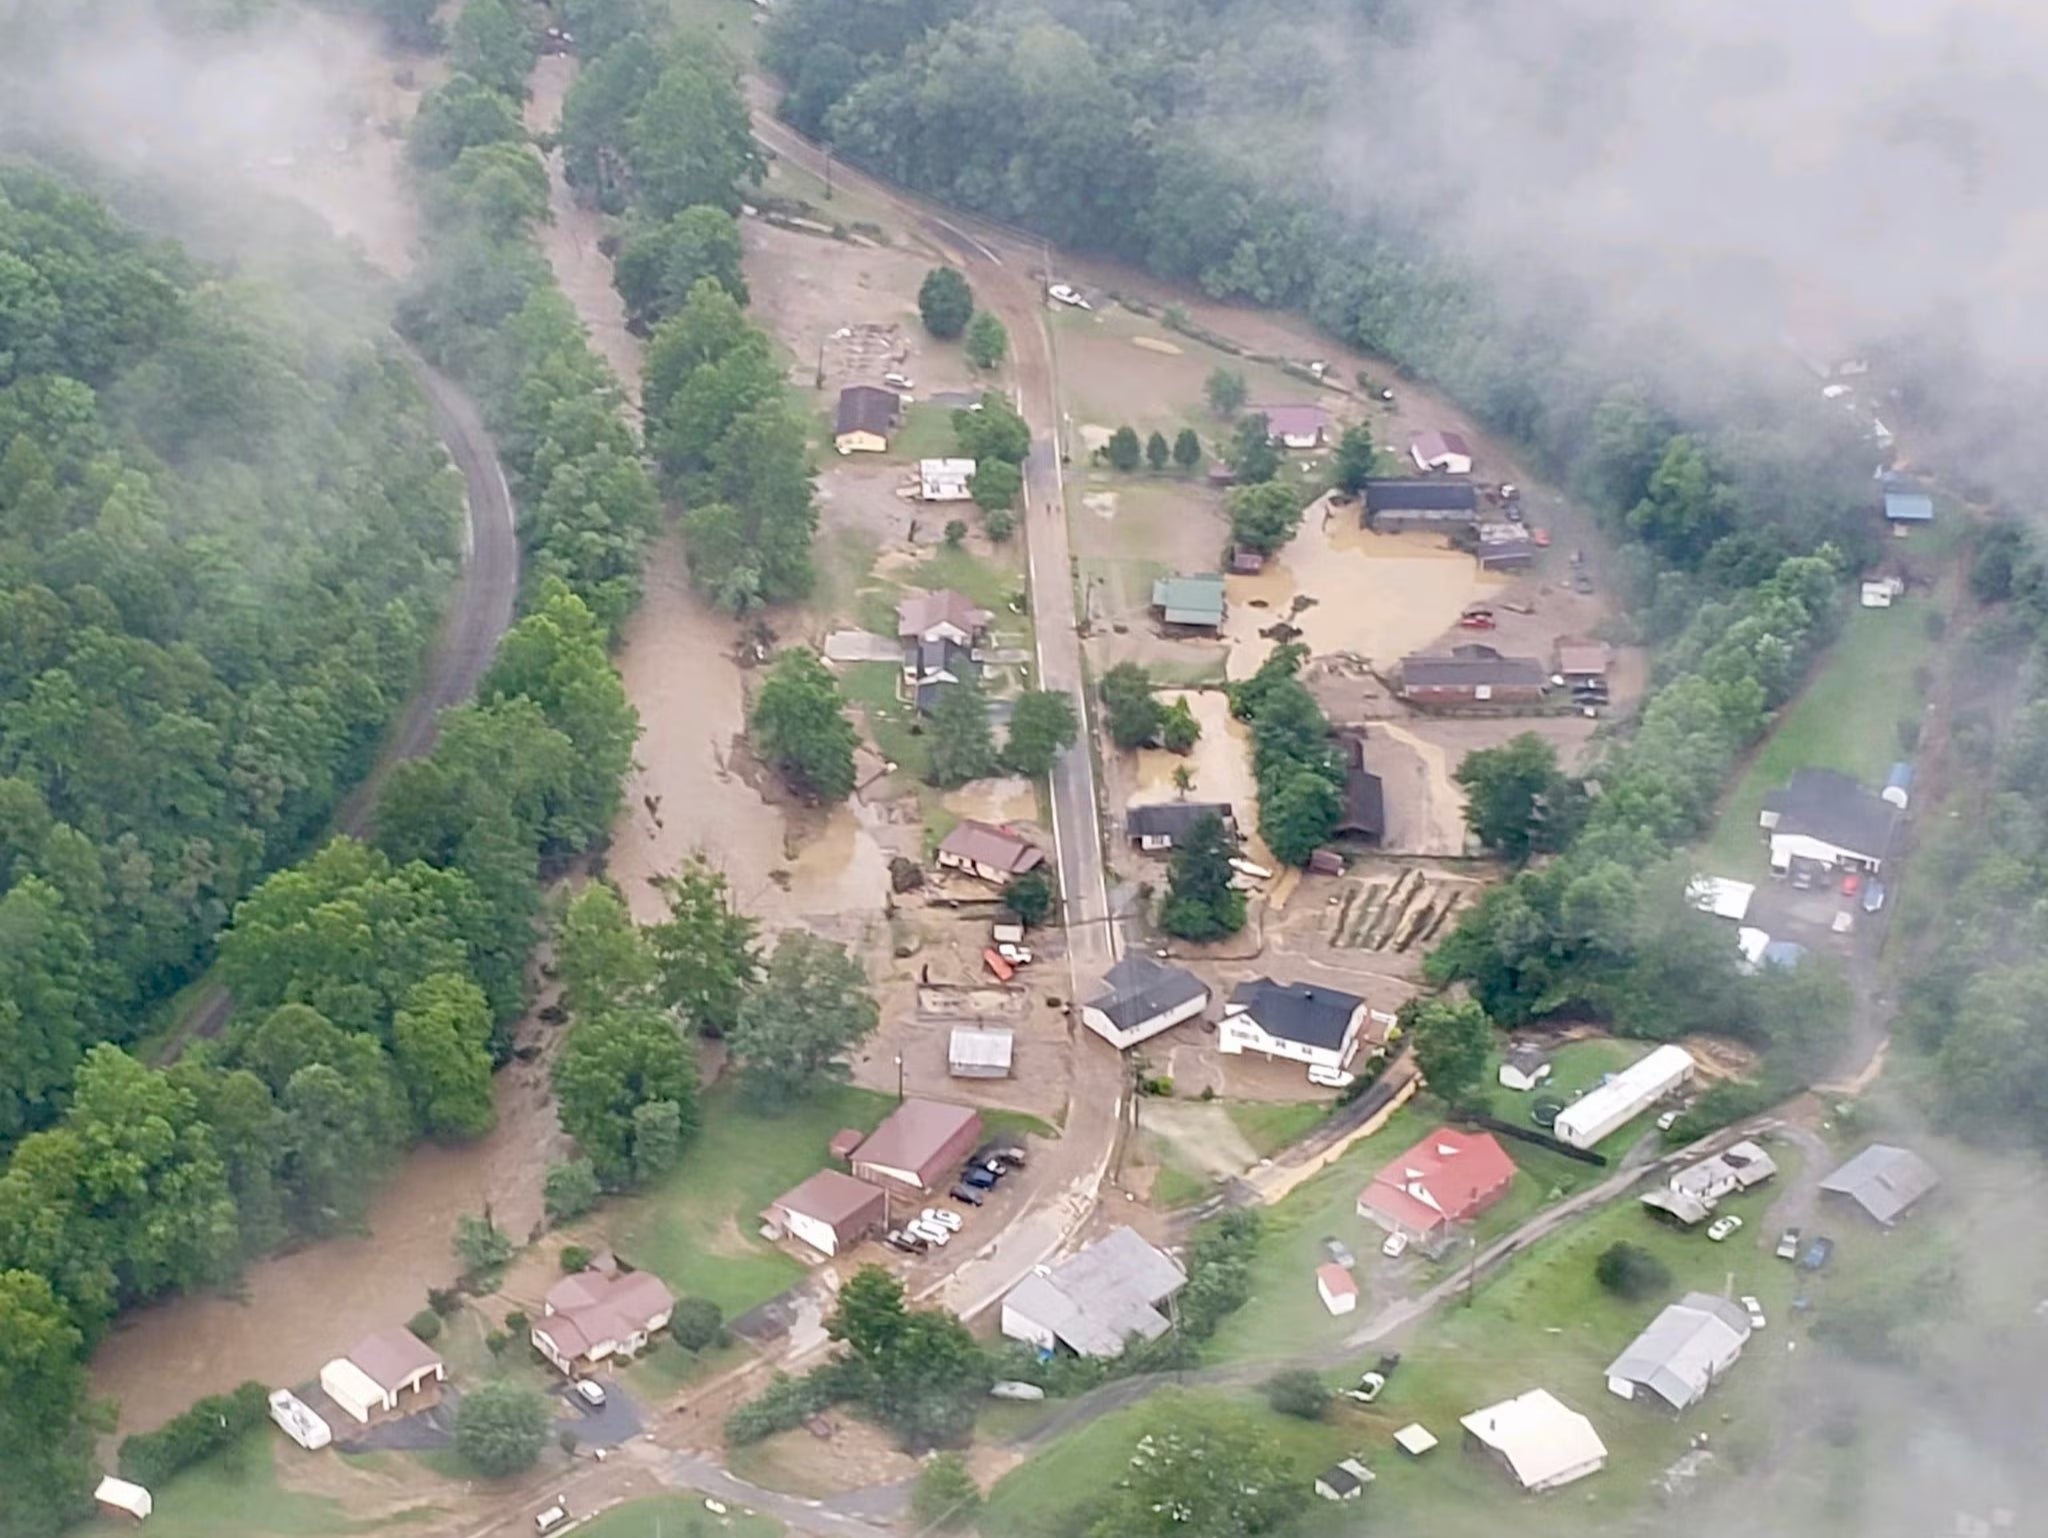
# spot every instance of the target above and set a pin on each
(479, 613)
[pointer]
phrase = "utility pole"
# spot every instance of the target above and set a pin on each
(899, 1078)
(1471, 1267)
(828, 176)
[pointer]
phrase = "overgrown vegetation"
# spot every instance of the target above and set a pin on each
(1301, 783)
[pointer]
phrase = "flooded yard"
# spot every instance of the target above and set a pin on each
(1220, 767)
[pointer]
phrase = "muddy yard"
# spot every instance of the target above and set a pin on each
(1220, 767)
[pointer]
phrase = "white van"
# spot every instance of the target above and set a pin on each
(553, 1517)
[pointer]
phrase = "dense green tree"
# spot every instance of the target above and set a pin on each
(501, 188)
(1517, 801)
(1200, 902)
(697, 1324)
(800, 727)
(493, 45)
(960, 746)
(1253, 457)
(1213, 1475)
(1451, 1040)
(610, 87)
(45, 1436)
(1187, 449)
(501, 1427)
(482, 1248)
(751, 543)
(1225, 391)
(1131, 710)
(1157, 451)
(1632, 1272)
(706, 948)
(1353, 462)
(441, 1045)
(796, 1026)
(992, 430)
(612, 1065)
(460, 114)
(601, 956)
(945, 303)
(1300, 1392)
(1298, 812)
(690, 142)
(411, 24)
(924, 1372)
(987, 343)
(570, 1190)
(870, 1314)
(342, 1119)
(1686, 508)
(995, 484)
(1031, 896)
(1179, 731)
(1043, 725)
(658, 264)
(1264, 517)
(1124, 450)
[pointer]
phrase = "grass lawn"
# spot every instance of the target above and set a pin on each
(668, 1367)
(675, 1516)
(1175, 1185)
(696, 1229)
(1270, 1127)
(992, 584)
(926, 433)
(236, 1495)
(1847, 718)
(871, 686)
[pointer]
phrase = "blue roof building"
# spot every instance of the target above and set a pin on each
(1908, 507)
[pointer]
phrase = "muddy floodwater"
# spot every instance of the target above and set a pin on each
(299, 1310)
(1220, 764)
(1380, 596)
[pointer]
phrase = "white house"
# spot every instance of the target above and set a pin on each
(1299, 1021)
(595, 1315)
(1683, 1353)
(1540, 1441)
(1829, 818)
(944, 480)
(379, 1371)
(1446, 453)
(1337, 1288)
(1624, 1097)
(1739, 1167)
(1141, 998)
(296, 1419)
(830, 1212)
(1878, 592)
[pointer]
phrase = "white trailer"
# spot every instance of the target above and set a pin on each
(1624, 1097)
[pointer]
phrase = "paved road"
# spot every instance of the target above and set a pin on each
(478, 614)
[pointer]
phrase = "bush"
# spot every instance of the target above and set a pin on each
(1630, 1271)
(789, 1402)
(575, 1258)
(444, 1301)
(945, 303)
(697, 1323)
(498, 1342)
(426, 1324)
(500, 1428)
(516, 1323)
(945, 1495)
(570, 1191)
(956, 531)
(483, 1248)
(1298, 1392)
(213, 1423)
(1000, 524)
(1031, 896)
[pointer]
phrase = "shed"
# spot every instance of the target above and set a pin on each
(1344, 1481)
(1445, 452)
(845, 1141)
(1538, 1439)
(1908, 507)
(1194, 602)
(1884, 1181)
(830, 1212)
(980, 1052)
(1337, 1288)
(1898, 785)
(1678, 1208)
(122, 1498)
(1364, 814)
(379, 1370)
(1723, 898)
(918, 1143)
(1414, 1439)
(1525, 1066)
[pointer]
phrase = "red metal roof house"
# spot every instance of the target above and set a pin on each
(1449, 1177)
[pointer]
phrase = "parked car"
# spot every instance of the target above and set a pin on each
(1788, 1244)
(547, 1521)
(1873, 897)
(1818, 1254)
(978, 1177)
(1668, 1120)
(1755, 1309)
(1067, 294)
(1326, 1077)
(908, 1243)
(966, 1193)
(950, 1221)
(1009, 1154)
(591, 1393)
(1010, 1388)
(931, 1233)
(1723, 1227)
(899, 381)
(1369, 1388)
(1340, 1252)
(1396, 1245)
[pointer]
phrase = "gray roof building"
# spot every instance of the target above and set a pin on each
(1436, 495)
(1884, 1181)
(1158, 826)
(1303, 1012)
(1684, 1351)
(1834, 808)
(1471, 667)
(867, 408)
(1140, 989)
(1098, 1299)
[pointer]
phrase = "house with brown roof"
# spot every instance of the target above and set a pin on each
(597, 1314)
(831, 1211)
(941, 615)
(1581, 662)
(1444, 452)
(379, 1371)
(1293, 425)
(1471, 675)
(919, 1146)
(867, 415)
(988, 852)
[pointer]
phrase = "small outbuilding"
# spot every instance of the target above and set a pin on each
(1885, 1181)
(1415, 1439)
(831, 1212)
(980, 1052)
(1525, 1066)
(1157, 827)
(1337, 1288)
(379, 1371)
(123, 1498)
(1906, 509)
(1723, 898)
(1446, 453)
(945, 480)
(1344, 1481)
(1364, 812)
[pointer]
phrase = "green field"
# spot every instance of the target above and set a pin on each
(676, 1516)
(1846, 718)
(926, 433)
(696, 1230)
(236, 1495)
(1270, 1126)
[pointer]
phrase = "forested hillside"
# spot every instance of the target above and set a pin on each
(223, 542)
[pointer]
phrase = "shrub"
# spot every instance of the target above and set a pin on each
(697, 1323)
(945, 1495)
(516, 1322)
(212, 1424)
(481, 1246)
(444, 1300)
(500, 1428)
(789, 1402)
(497, 1342)
(956, 531)
(575, 1258)
(1000, 524)
(1298, 1392)
(1630, 1271)
(426, 1324)
(570, 1191)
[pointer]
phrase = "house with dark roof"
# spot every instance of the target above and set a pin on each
(1142, 997)
(1401, 506)
(1883, 1180)
(988, 852)
(1155, 828)
(1365, 799)
(1303, 1022)
(1827, 817)
(1450, 1177)
(1294, 426)
(930, 667)
(867, 415)
(1471, 674)
(920, 1145)
(1444, 452)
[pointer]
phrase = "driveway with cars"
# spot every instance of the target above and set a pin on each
(607, 1425)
